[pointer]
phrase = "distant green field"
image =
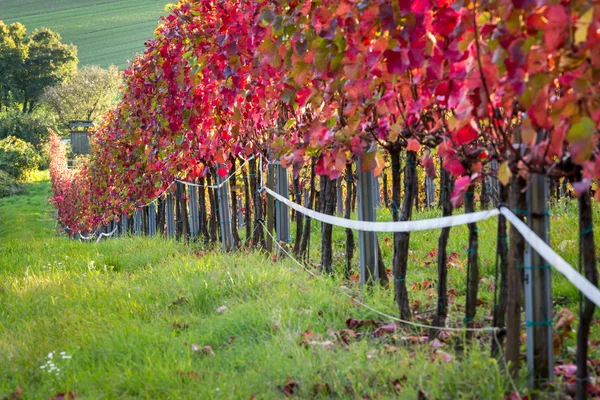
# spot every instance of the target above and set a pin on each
(105, 31)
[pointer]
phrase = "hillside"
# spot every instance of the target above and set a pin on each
(105, 31)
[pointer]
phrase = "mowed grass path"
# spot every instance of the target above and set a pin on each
(105, 31)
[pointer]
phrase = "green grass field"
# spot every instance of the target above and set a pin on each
(105, 31)
(133, 315)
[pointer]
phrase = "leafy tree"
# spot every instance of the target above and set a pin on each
(32, 64)
(13, 52)
(88, 94)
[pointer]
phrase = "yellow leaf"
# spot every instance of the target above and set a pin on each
(395, 131)
(528, 132)
(583, 24)
(504, 173)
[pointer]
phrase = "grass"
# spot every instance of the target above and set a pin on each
(105, 31)
(130, 312)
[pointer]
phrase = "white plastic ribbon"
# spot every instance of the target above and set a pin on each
(404, 226)
(586, 287)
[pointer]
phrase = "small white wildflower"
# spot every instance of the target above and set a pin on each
(50, 355)
(66, 357)
(62, 353)
(43, 366)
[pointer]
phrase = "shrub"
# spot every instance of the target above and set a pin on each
(8, 185)
(32, 128)
(17, 157)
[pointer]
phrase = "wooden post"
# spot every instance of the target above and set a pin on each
(494, 183)
(240, 214)
(282, 211)
(225, 214)
(376, 192)
(124, 223)
(170, 216)
(429, 192)
(152, 219)
(340, 200)
(270, 206)
(367, 241)
(137, 222)
(194, 212)
(538, 290)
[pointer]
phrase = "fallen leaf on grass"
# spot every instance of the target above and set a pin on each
(390, 328)
(568, 370)
(442, 355)
(359, 323)
(344, 335)
(179, 302)
(64, 396)
(229, 342)
(423, 395)
(178, 326)
(192, 375)
(17, 394)
(371, 354)
(389, 349)
(321, 389)
(207, 350)
(222, 309)
(436, 344)
(290, 387)
(398, 384)
(416, 339)
(564, 323)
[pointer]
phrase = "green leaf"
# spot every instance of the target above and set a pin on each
(290, 123)
(581, 131)
(580, 137)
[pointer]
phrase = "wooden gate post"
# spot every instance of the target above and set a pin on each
(367, 241)
(225, 214)
(170, 216)
(538, 290)
(282, 211)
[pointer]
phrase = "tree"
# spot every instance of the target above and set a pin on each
(88, 94)
(13, 52)
(31, 64)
